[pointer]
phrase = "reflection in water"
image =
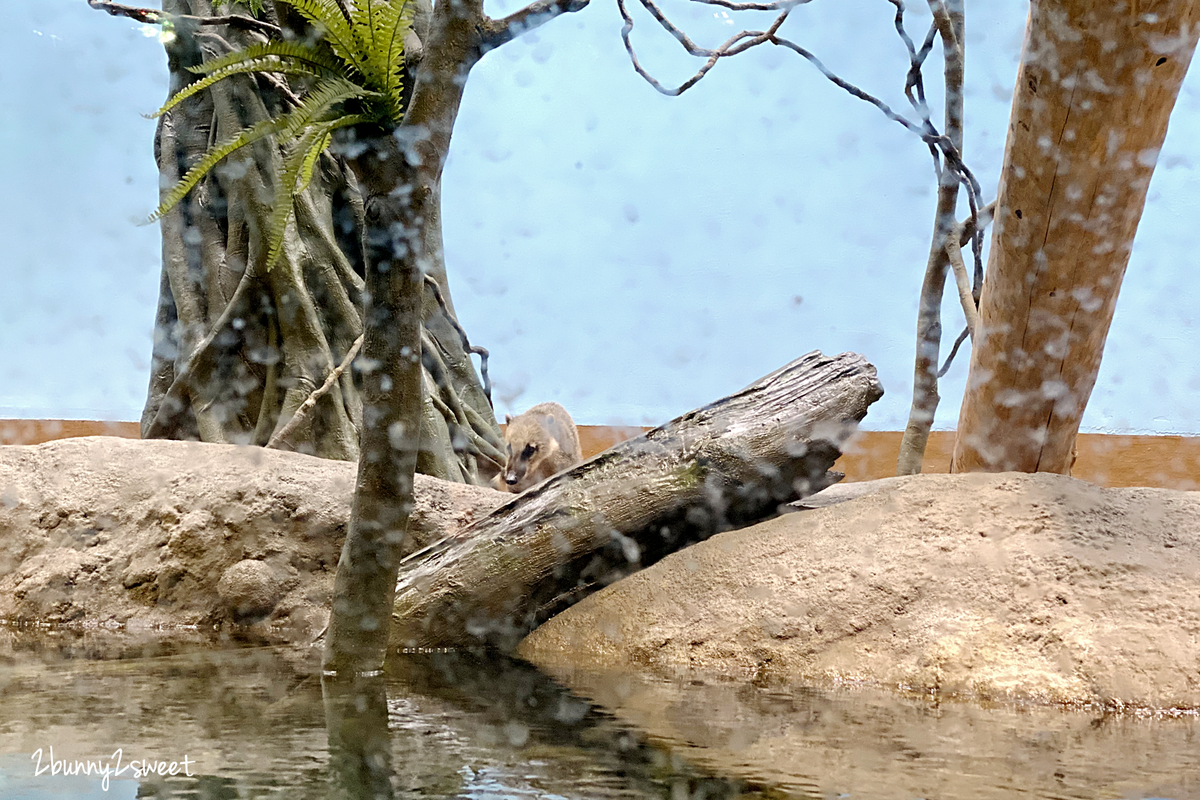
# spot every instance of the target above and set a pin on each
(257, 722)
(868, 743)
(253, 722)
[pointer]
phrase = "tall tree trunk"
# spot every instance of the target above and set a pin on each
(1094, 93)
(400, 173)
(251, 356)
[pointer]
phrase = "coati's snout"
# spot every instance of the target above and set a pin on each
(540, 443)
(519, 466)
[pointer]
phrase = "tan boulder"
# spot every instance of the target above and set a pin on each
(108, 531)
(984, 586)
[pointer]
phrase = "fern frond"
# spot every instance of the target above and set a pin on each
(396, 19)
(336, 28)
(210, 159)
(294, 178)
(268, 64)
(327, 93)
(317, 56)
(285, 193)
(363, 24)
(310, 162)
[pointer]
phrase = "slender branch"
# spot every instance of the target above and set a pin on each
(153, 16)
(281, 86)
(967, 233)
(965, 297)
(857, 92)
(962, 337)
(978, 222)
(307, 406)
(732, 5)
(945, 150)
(479, 351)
(691, 47)
(738, 43)
(925, 397)
(914, 80)
(148, 15)
(500, 31)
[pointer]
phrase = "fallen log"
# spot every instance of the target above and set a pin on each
(728, 464)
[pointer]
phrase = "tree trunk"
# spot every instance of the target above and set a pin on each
(400, 172)
(1096, 87)
(238, 349)
(952, 25)
(730, 463)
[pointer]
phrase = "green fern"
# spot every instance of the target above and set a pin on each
(358, 67)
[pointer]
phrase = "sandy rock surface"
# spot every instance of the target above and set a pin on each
(985, 586)
(158, 533)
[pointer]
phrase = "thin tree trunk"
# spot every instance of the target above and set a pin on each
(1094, 93)
(400, 174)
(730, 463)
(950, 19)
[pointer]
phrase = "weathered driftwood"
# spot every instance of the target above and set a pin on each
(730, 463)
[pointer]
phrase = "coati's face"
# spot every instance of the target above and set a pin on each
(528, 445)
(517, 466)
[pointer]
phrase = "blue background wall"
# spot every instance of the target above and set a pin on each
(627, 254)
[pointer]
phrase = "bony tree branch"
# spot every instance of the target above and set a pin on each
(153, 16)
(499, 31)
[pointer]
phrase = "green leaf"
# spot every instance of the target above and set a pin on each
(210, 159)
(380, 27)
(310, 162)
(335, 27)
(320, 57)
(294, 178)
(268, 64)
(396, 20)
(327, 93)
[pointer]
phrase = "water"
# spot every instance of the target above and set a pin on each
(255, 722)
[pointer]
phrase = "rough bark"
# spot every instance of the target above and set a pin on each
(1096, 87)
(730, 463)
(238, 350)
(400, 172)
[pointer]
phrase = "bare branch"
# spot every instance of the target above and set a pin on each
(732, 5)
(479, 351)
(962, 337)
(966, 233)
(980, 221)
(691, 47)
(148, 15)
(953, 174)
(500, 31)
(714, 55)
(965, 297)
(310, 402)
(851, 88)
(153, 16)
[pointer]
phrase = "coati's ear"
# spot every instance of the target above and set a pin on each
(508, 419)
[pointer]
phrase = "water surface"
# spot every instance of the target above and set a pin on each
(256, 722)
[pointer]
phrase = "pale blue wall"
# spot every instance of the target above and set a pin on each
(627, 254)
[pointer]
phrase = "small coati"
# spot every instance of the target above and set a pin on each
(541, 442)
